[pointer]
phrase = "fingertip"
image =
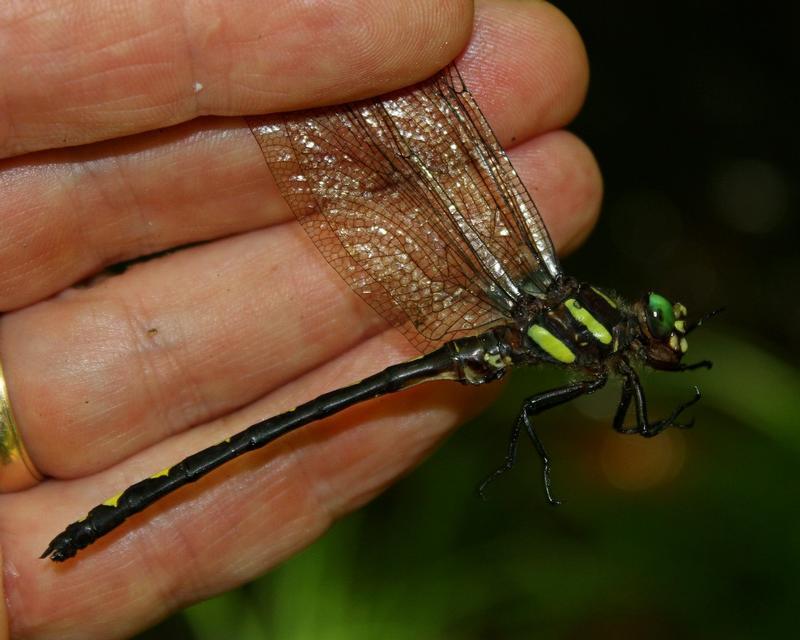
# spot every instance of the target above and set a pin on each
(527, 66)
(564, 180)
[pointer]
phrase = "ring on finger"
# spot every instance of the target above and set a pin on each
(17, 471)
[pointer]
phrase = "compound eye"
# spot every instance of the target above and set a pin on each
(660, 316)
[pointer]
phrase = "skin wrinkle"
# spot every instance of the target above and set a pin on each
(144, 240)
(104, 57)
(195, 72)
(68, 181)
(80, 231)
(295, 520)
(157, 564)
(182, 103)
(84, 227)
(191, 58)
(12, 241)
(144, 236)
(150, 359)
(12, 11)
(201, 405)
(124, 313)
(121, 188)
(111, 112)
(290, 447)
(8, 127)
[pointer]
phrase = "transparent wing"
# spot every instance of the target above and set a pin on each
(411, 199)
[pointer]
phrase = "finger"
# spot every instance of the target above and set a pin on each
(150, 64)
(565, 182)
(180, 340)
(534, 76)
(68, 214)
(231, 525)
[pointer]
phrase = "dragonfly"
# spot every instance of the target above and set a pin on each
(411, 199)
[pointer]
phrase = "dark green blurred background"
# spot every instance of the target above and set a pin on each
(692, 535)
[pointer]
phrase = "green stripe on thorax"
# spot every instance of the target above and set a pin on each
(610, 302)
(550, 344)
(582, 315)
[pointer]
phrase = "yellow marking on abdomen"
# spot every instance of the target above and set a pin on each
(494, 360)
(550, 344)
(161, 474)
(112, 502)
(582, 315)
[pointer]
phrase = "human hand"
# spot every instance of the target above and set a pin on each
(113, 381)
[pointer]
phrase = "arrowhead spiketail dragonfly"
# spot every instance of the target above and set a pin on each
(412, 200)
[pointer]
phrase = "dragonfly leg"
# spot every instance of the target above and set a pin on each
(632, 390)
(531, 407)
(508, 463)
(537, 443)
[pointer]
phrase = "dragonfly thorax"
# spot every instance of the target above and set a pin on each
(582, 325)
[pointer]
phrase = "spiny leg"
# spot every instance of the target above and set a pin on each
(508, 463)
(535, 405)
(632, 390)
(537, 443)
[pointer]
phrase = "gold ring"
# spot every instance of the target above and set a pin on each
(16, 469)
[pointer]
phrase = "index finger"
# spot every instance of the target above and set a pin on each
(77, 72)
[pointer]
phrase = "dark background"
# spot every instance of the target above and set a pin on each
(693, 534)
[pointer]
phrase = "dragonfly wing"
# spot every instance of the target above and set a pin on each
(508, 219)
(411, 199)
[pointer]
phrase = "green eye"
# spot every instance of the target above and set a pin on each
(660, 316)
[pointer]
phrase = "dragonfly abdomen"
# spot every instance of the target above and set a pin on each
(471, 360)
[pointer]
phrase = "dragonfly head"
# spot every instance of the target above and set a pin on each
(663, 328)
